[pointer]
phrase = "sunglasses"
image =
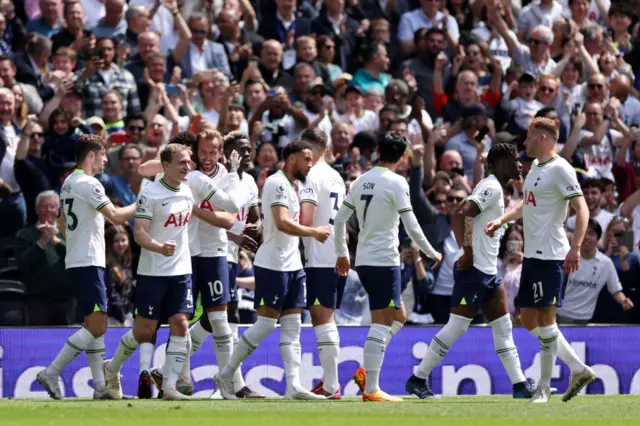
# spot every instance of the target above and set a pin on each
(454, 199)
(328, 46)
(537, 42)
(37, 135)
(596, 86)
(621, 219)
(135, 129)
(545, 89)
(198, 31)
(440, 202)
(473, 53)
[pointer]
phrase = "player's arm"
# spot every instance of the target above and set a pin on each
(218, 219)
(118, 215)
(141, 236)
(582, 218)
(224, 201)
(307, 213)
(62, 223)
(284, 224)
(462, 224)
(510, 216)
(412, 228)
(150, 168)
(340, 235)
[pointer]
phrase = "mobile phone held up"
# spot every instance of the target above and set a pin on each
(172, 90)
(272, 92)
(482, 133)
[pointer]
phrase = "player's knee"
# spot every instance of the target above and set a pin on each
(145, 330)
(204, 322)
(400, 315)
(233, 313)
(178, 325)
(96, 323)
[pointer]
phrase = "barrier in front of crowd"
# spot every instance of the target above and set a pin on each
(471, 367)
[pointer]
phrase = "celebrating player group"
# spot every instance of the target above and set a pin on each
(192, 220)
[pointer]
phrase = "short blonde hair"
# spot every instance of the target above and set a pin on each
(173, 148)
(209, 134)
(546, 125)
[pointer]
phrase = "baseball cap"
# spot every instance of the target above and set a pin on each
(96, 120)
(527, 77)
(476, 109)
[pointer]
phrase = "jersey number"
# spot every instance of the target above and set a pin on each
(215, 288)
(367, 200)
(70, 214)
(538, 293)
(336, 198)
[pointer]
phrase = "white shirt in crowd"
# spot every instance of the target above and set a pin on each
(603, 218)
(169, 210)
(532, 15)
(594, 10)
(279, 251)
(325, 188)
(548, 188)
(601, 156)
(6, 167)
(248, 186)
(487, 195)
(368, 121)
(81, 199)
(584, 285)
(410, 22)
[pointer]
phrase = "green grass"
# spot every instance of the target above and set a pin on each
(453, 411)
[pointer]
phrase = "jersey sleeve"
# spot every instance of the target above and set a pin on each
(308, 194)
(485, 195)
(144, 206)
(254, 195)
(401, 196)
(94, 194)
(566, 182)
(275, 194)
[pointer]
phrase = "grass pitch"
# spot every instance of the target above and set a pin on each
(480, 411)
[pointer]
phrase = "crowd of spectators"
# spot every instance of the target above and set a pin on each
(454, 76)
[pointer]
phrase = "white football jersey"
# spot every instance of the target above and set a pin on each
(584, 285)
(81, 198)
(169, 210)
(279, 251)
(547, 189)
(487, 195)
(378, 197)
(202, 188)
(213, 240)
(247, 185)
(325, 188)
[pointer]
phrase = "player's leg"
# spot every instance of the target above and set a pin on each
(200, 330)
(495, 308)
(465, 299)
(233, 313)
(383, 286)
(150, 292)
(145, 381)
(290, 325)
(179, 299)
(90, 294)
(270, 289)
(324, 292)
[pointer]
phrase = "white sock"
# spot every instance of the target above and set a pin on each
(506, 349)
(446, 337)
(146, 355)
(290, 350)
(248, 343)
(176, 355)
(395, 327)
(548, 353)
(95, 355)
(73, 347)
(569, 356)
(373, 355)
(328, 351)
(222, 337)
(127, 346)
(198, 336)
(238, 380)
(185, 373)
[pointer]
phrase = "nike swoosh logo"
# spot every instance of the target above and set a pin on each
(164, 204)
(215, 299)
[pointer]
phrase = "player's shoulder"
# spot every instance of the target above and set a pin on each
(278, 183)
(151, 190)
(561, 164)
(221, 171)
(489, 183)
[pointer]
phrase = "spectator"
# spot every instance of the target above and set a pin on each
(195, 53)
(148, 44)
(593, 190)
(33, 65)
(523, 108)
(270, 65)
(373, 72)
(630, 210)
(583, 287)
(326, 49)
(12, 206)
(138, 22)
(283, 25)
(626, 169)
(102, 75)
(119, 276)
(475, 117)
(254, 95)
(50, 20)
(620, 88)
(540, 12)
(113, 25)
(342, 29)
(282, 121)
(306, 52)
(427, 16)
(593, 38)
(510, 257)
(40, 252)
(303, 74)
(358, 118)
(239, 43)
(74, 34)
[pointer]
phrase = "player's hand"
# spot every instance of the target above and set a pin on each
(627, 304)
(234, 161)
(169, 248)
(321, 233)
(465, 261)
(252, 230)
(572, 261)
(248, 243)
(437, 259)
(492, 227)
(342, 266)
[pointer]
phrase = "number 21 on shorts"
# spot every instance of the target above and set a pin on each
(538, 292)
